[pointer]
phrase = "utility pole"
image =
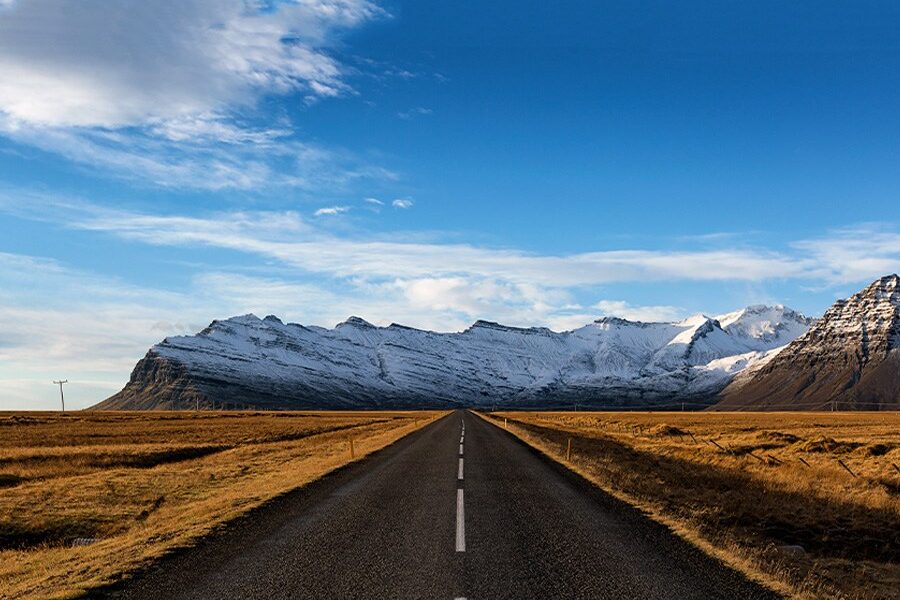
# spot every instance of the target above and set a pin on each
(62, 397)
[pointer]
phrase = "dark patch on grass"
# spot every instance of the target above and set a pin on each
(93, 460)
(9, 480)
(14, 536)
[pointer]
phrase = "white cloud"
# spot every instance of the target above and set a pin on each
(331, 210)
(158, 91)
(215, 128)
(624, 310)
(402, 203)
(287, 238)
(854, 254)
(346, 257)
(373, 204)
(849, 256)
(113, 63)
(473, 298)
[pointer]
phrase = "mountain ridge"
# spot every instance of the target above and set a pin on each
(267, 363)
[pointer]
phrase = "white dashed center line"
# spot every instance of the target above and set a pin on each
(459, 475)
(460, 522)
(460, 449)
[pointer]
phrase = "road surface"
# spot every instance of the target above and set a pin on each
(459, 509)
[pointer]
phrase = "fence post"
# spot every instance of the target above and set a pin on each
(569, 450)
(846, 468)
(352, 450)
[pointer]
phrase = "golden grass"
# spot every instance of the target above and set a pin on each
(750, 488)
(134, 486)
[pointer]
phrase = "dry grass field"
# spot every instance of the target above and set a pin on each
(86, 497)
(807, 502)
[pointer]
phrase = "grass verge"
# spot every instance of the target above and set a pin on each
(805, 503)
(86, 498)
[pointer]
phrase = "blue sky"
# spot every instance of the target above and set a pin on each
(164, 164)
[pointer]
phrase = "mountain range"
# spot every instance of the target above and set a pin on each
(757, 358)
(265, 363)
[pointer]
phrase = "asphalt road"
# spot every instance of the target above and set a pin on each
(445, 514)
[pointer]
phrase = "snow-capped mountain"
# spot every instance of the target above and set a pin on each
(764, 327)
(850, 359)
(268, 363)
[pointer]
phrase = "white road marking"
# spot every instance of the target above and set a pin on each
(461, 440)
(460, 449)
(460, 523)
(460, 474)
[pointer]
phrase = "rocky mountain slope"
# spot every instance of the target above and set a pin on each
(265, 363)
(850, 359)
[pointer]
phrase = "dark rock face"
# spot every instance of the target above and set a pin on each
(157, 383)
(849, 359)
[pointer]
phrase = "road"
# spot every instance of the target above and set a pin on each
(459, 509)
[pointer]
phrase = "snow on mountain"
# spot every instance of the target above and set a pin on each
(268, 363)
(850, 358)
(764, 327)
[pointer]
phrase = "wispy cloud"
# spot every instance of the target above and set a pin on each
(402, 203)
(331, 210)
(853, 254)
(625, 310)
(266, 234)
(418, 111)
(844, 256)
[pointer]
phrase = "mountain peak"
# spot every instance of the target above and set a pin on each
(354, 321)
(696, 320)
(849, 356)
(614, 321)
(885, 288)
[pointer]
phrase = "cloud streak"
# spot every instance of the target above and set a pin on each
(844, 256)
(331, 210)
(272, 235)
